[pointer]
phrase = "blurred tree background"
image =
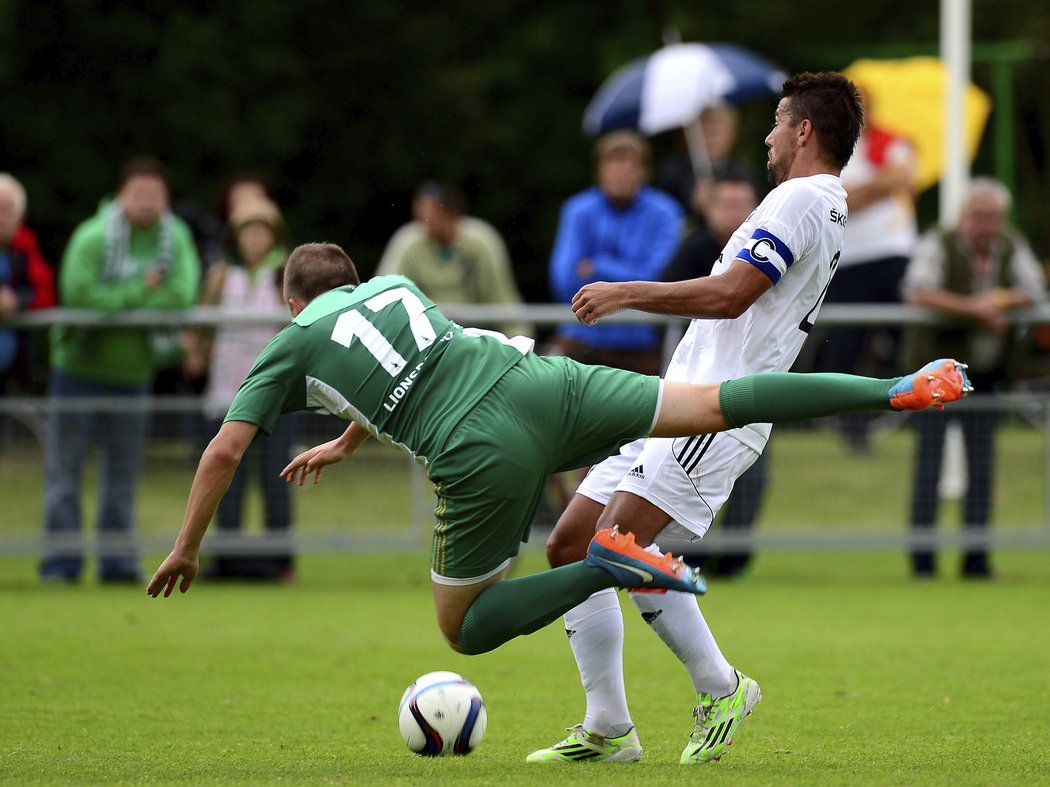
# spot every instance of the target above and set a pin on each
(345, 107)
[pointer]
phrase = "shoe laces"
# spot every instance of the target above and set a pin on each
(700, 713)
(576, 732)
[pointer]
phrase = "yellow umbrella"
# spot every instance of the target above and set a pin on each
(907, 97)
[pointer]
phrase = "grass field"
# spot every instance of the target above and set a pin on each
(868, 677)
(815, 485)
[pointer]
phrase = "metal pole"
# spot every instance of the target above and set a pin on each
(1046, 464)
(955, 52)
(1003, 119)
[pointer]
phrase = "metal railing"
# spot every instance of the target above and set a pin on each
(31, 412)
(545, 314)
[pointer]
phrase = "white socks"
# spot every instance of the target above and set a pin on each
(676, 618)
(596, 635)
(595, 629)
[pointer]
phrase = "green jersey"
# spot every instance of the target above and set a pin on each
(381, 354)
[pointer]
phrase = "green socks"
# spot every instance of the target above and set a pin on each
(526, 604)
(523, 605)
(784, 396)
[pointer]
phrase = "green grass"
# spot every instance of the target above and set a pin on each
(346, 501)
(815, 484)
(869, 678)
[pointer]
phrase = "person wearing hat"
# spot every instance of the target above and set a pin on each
(247, 281)
(620, 229)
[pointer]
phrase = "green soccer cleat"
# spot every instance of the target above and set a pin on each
(583, 746)
(717, 721)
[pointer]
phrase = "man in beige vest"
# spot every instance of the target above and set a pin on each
(973, 273)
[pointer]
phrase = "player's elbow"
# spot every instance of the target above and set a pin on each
(222, 453)
(731, 304)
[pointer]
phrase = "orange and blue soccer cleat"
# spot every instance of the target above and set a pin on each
(633, 567)
(936, 383)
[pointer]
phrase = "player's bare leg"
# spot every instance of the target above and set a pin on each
(689, 409)
(451, 603)
(574, 530)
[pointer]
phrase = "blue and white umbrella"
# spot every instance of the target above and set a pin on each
(670, 87)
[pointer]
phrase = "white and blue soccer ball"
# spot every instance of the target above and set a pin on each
(442, 713)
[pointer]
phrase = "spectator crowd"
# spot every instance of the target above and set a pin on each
(142, 250)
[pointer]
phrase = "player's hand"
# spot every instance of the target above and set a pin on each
(174, 566)
(314, 460)
(597, 300)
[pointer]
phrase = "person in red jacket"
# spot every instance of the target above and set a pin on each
(26, 279)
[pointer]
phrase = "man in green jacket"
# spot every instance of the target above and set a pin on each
(132, 254)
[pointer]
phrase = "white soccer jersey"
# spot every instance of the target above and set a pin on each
(795, 238)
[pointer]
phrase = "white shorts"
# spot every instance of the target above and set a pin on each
(689, 478)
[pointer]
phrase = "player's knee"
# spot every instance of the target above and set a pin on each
(454, 645)
(563, 548)
(450, 633)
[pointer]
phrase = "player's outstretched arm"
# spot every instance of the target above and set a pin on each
(725, 296)
(214, 473)
(314, 460)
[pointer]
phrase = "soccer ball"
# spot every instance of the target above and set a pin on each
(442, 713)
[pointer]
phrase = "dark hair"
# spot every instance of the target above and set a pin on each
(448, 197)
(833, 105)
(142, 166)
(737, 174)
(232, 181)
(314, 268)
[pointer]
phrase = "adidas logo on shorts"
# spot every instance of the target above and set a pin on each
(636, 472)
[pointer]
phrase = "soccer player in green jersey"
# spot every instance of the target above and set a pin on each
(490, 420)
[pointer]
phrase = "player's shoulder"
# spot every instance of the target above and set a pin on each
(382, 282)
(797, 196)
(810, 186)
(285, 346)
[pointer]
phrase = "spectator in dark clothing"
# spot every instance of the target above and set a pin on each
(678, 175)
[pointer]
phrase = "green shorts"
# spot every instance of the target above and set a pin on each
(545, 415)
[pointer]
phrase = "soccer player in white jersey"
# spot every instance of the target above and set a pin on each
(752, 314)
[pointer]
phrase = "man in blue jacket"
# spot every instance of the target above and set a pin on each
(618, 230)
